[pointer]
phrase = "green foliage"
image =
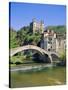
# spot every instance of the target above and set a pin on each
(26, 37)
(13, 39)
(63, 56)
(36, 38)
(21, 35)
(58, 29)
(19, 59)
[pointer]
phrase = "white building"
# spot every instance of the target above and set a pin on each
(53, 42)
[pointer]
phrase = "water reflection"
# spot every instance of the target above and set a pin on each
(45, 77)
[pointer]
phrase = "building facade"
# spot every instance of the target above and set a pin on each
(53, 42)
(49, 40)
(60, 44)
(37, 26)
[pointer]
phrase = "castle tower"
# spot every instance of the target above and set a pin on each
(34, 25)
(41, 26)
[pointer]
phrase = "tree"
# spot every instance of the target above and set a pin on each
(63, 56)
(26, 37)
(22, 34)
(14, 42)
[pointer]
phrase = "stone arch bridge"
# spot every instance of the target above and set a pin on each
(33, 47)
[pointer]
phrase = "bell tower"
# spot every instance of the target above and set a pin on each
(34, 25)
(41, 26)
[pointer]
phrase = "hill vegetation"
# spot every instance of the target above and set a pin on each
(58, 29)
(24, 36)
(14, 42)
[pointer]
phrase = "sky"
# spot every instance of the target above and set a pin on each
(21, 14)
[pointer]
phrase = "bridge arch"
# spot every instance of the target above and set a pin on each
(27, 47)
(55, 56)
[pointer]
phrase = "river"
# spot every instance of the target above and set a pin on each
(45, 77)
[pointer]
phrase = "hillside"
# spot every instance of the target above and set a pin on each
(58, 29)
(24, 36)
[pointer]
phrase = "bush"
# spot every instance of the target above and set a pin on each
(63, 56)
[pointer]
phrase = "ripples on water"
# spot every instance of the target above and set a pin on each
(45, 77)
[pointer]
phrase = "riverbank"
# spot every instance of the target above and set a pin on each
(34, 66)
(30, 67)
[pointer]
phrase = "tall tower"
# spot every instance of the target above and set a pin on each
(41, 27)
(34, 25)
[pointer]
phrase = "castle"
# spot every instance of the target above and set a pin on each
(51, 41)
(37, 26)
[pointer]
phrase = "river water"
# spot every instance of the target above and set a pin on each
(46, 77)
